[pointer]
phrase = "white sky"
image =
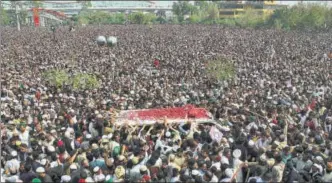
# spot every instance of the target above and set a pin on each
(329, 3)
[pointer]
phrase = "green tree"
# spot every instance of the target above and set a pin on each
(84, 81)
(212, 11)
(196, 18)
(220, 69)
(141, 18)
(136, 18)
(302, 16)
(182, 8)
(79, 81)
(250, 18)
(5, 19)
(57, 78)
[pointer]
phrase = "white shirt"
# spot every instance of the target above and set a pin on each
(224, 160)
(24, 137)
(217, 165)
(214, 179)
(12, 165)
(226, 180)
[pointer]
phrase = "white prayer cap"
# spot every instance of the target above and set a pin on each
(13, 153)
(51, 148)
(65, 178)
(195, 172)
(100, 178)
(104, 137)
(73, 167)
(40, 170)
(143, 168)
(88, 136)
(96, 169)
(43, 162)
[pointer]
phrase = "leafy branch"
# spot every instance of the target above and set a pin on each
(221, 69)
(78, 81)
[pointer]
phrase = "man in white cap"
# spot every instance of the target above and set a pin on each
(98, 174)
(43, 176)
(73, 168)
(237, 165)
(229, 174)
(65, 179)
(12, 166)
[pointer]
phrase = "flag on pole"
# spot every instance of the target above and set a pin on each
(36, 17)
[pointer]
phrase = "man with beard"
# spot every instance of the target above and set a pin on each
(23, 152)
(27, 175)
(43, 176)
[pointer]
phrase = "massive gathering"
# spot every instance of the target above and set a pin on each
(275, 111)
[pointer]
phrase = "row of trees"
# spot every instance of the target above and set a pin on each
(301, 16)
(102, 17)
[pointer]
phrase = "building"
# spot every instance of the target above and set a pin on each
(233, 9)
(50, 11)
(70, 8)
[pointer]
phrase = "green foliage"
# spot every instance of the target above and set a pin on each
(37, 4)
(161, 20)
(208, 13)
(231, 22)
(250, 18)
(182, 8)
(141, 18)
(302, 16)
(194, 19)
(5, 19)
(99, 17)
(56, 78)
(221, 69)
(173, 20)
(212, 11)
(83, 81)
(80, 81)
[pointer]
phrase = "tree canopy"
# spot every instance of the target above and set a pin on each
(301, 16)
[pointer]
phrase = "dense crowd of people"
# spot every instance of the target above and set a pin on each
(276, 110)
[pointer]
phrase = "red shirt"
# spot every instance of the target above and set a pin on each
(38, 95)
(156, 63)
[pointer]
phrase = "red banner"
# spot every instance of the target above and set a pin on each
(36, 17)
(171, 113)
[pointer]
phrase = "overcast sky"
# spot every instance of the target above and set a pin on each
(295, 2)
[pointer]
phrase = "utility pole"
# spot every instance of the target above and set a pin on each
(17, 16)
(0, 82)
